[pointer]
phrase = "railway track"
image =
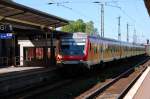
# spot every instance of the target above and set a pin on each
(58, 89)
(17, 82)
(118, 87)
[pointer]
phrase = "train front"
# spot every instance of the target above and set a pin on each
(73, 50)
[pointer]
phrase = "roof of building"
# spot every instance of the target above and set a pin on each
(147, 3)
(15, 13)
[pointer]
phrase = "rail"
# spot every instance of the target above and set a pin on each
(125, 91)
(107, 85)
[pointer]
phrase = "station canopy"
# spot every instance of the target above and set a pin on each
(14, 13)
(147, 3)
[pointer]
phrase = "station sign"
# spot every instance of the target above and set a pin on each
(6, 36)
(5, 28)
(6, 31)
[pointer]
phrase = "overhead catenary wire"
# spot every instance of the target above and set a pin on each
(111, 3)
(70, 8)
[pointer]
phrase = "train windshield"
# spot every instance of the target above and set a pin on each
(72, 47)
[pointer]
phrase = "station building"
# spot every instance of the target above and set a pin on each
(28, 36)
(147, 4)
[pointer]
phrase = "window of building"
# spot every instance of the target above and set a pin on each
(29, 54)
(39, 53)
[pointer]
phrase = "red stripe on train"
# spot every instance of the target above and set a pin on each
(68, 58)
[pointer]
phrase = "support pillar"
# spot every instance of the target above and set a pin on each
(15, 51)
(53, 60)
(46, 51)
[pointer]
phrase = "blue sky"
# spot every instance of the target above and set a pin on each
(133, 12)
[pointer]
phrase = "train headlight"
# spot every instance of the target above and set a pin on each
(59, 57)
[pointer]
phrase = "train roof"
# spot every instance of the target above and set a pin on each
(109, 40)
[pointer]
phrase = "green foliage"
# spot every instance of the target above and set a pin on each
(80, 26)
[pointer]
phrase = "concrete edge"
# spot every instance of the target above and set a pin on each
(136, 86)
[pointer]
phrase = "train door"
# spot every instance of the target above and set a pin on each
(101, 51)
(105, 51)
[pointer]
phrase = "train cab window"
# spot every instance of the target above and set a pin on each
(72, 49)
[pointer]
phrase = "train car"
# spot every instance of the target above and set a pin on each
(81, 48)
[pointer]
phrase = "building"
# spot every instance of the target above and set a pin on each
(32, 42)
(147, 4)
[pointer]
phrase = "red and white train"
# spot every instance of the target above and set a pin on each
(81, 48)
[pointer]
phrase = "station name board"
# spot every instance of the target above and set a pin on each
(6, 36)
(5, 28)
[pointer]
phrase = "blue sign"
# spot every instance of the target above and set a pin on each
(6, 36)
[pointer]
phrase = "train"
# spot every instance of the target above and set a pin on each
(83, 49)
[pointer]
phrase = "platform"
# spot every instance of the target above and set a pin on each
(141, 88)
(16, 69)
(10, 71)
(16, 79)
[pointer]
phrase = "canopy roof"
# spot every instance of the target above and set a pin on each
(147, 3)
(15, 13)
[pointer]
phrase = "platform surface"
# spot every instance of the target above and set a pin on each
(10, 70)
(144, 90)
(15, 69)
(141, 89)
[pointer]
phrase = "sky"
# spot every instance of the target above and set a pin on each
(132, 12)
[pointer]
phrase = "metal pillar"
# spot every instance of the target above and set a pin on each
(46, 50)
(119, 31)
(127, 32)
(102, 20)
(15, 51)
(53, 62)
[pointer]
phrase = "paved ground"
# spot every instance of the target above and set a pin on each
(144, 90)
(15, 69)
(141, 89)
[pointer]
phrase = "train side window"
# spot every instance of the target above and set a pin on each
(95, 49)
(112, 48)
(90, 47)
(101, 48)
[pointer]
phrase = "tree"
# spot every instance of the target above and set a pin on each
(75, 26)
(89, 27)
(80, 26)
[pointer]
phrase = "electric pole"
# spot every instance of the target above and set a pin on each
(102, 20)
(119, 30)
(134, 36)
(102, 4)
(102, 17)
(127, 32)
